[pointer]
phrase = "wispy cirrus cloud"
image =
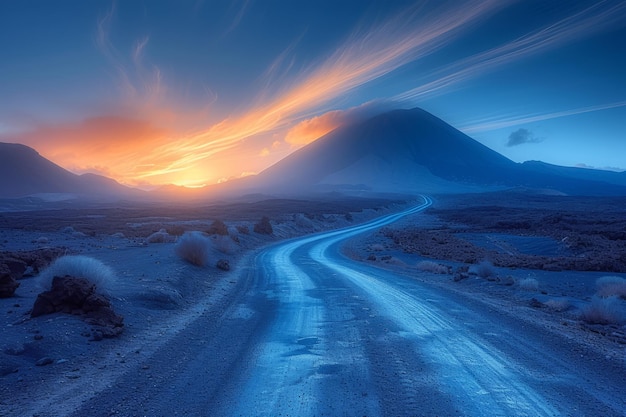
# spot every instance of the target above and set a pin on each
(299, 103)
(581, 24)
(368, 54)
(140, 86)
(500, 123)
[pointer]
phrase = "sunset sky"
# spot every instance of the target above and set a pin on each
(197, 92)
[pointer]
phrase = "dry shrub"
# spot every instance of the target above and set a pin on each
(529, 284)
(194, 248)
(602, 311)
(557, 305)
(79, 266)
(434, 267)
(225, 244)
(218, 227)
(483, 269)
(611, 286)
(264, 227)
(395, 261)
(303, 222)
(160, 237)
(243, 229)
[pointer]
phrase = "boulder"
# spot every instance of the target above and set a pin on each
(8, 284)
(78, 296)
(223, 264)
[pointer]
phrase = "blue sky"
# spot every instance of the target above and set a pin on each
(196, 92)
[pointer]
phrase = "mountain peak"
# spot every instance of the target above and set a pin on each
(400, 150)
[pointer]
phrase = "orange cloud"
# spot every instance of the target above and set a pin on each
(309, 130)
(110, 145)
(312, 129)
(135, 151)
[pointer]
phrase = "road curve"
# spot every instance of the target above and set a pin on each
(349, 339)
(308, 332)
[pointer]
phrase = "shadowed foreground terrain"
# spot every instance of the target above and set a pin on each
(279, 321)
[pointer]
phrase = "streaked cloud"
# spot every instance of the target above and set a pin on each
(500, 123)
(584, 23)
(311, 129)
(295, 106)
(369, 53)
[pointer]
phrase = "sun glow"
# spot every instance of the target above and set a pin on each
(151, 136)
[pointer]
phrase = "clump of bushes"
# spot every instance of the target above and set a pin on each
(218, 227)
(160, 237)
(528, 284)
(602, 311)
(264, 227)
(483, 269)
(194, 248)
(611, 286)
(434, 267)
(79, 266)
(557, 305)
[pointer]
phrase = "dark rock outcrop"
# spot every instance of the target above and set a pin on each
(19, 261)
(223, 264)
(78, 296)
(8, 284)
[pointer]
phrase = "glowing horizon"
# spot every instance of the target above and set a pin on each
(153, 129)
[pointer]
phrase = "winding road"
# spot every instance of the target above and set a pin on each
(308, 332)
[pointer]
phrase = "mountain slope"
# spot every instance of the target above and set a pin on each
(402, 150)
(412, 150)
(24, 172)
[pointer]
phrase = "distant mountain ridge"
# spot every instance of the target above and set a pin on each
(24, 172)
(414, 151)
(402, 151)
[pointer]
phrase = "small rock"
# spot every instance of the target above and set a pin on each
(223, 264)
(8, 284)
(535, 303)
(44, 361)
(38, 337)
(15, 351)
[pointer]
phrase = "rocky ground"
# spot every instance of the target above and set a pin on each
(548, 255)
(68, 328)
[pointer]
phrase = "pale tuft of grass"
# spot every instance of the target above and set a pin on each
(602, 311)
(434, 267)
(194, 248)
(557, 305)
(528, 284)
(160, 237)
(483, 269)
(225, 244)
(395, 261)
(377, 247)
(79, 266)
(611, 286)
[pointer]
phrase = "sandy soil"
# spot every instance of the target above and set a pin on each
(155, 291)
(536, 272)
(158, 293)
